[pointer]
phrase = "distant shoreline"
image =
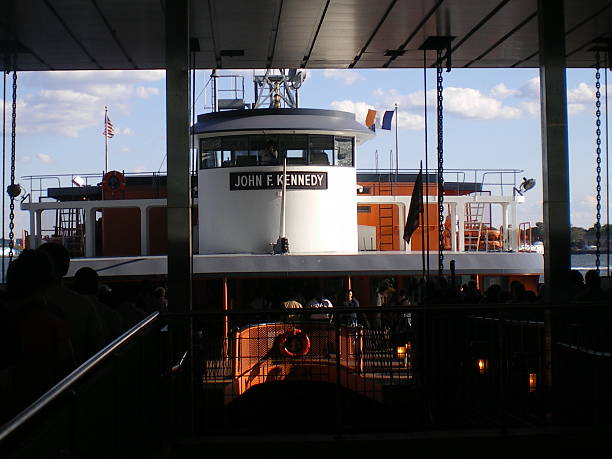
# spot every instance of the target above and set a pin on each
(587, 252)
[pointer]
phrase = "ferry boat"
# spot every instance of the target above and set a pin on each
(278, 199)
(281, 213)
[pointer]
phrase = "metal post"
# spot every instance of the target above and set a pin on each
(179, 184)
(177, 126)
(555, 163)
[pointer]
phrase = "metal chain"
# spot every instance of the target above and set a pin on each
(439, 88)
(598, 160)
(13, 133)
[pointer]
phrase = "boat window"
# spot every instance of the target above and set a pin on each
(321, 149)
(235, 149)
(343, 151)
(295, 147)
(210, 156)
(265, 148)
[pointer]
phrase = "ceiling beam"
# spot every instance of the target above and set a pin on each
(306, 58)
(113, 33)
(72, 35)
(414, 32)
(272, 48)
(504, 38)
(477, 27)
(378, 26)
(568, 32)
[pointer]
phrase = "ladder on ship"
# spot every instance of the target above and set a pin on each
(474, 216)
(386, 221)
(69, 228)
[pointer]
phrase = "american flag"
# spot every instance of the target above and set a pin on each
(109, 130)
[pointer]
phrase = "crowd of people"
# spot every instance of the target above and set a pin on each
(47, 328)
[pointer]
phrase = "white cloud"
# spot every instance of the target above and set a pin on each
(573, 109)
(71, 101)
(124, 149)
(127, 131)
(405, 120)
(461, 102)
(24, 159)
(140, 169)
(75, 76)
(501, 91)
(533, 108)
(44, 157)
(582, 93)
(531, 89)
(471, 103)
(146, 91)
(360, 109)
(348, 77)
(410, 121)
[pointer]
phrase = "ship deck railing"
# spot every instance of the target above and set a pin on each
(484, 370)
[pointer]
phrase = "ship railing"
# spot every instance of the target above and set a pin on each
(110, 403)
(37, 185)
(500, 182)
(483, 369)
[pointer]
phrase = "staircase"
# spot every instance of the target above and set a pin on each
(385, 219)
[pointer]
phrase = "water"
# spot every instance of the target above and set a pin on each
(586, 261)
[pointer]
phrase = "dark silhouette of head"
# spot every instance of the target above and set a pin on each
(29, 274)
(86, 281)
(576, 278)
(59, 257)
(591, 279)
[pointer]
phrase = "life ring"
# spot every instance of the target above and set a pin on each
(113, 182)
(294, 343)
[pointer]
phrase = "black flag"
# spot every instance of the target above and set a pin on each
(416, 207)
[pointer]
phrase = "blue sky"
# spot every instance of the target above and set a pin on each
(491, 121)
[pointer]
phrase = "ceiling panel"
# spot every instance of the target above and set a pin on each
(126, 34)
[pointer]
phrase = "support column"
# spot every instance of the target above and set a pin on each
(177, 144)
(461, 223)
(555, 162)
(453, 225)
(38, 237)
(506, 244)
(90, 232)
(144, 230)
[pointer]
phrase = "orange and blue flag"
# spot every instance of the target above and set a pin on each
(370, 120)
(387, 117)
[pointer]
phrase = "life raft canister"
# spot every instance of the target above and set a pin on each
(113, 182)
(294, 343)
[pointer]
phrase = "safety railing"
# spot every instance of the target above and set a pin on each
(500, 182)
(110, 406)
(409, 368)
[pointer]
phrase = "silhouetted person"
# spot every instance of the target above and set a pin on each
(41, 353)
(85, 328)
(576, 284)
(86, 283)
(517, 292)
(592, 288)
(493, 295)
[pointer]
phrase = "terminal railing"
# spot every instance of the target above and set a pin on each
(427, 368)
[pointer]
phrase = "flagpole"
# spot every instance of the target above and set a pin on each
(105, 139)
(426, 156)
(422, 231)
(396, 151)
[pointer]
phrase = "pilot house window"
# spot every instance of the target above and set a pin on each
(270, 150)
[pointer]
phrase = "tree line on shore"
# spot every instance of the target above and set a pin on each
(580, 238)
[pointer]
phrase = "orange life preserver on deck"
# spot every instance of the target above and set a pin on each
(294, 343)
(113, 182)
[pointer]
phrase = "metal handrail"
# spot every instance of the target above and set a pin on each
(73, 377)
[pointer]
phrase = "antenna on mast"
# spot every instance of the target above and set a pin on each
(273, 88)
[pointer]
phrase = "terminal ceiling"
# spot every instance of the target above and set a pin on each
(129, 34)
